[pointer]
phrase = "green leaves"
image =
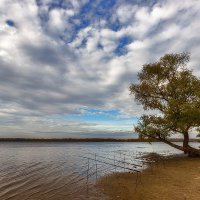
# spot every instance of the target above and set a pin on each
(153, 126)
(168, 86)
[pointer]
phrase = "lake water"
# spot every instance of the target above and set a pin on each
(59, 171)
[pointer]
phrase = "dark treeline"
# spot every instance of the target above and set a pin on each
(84, 140)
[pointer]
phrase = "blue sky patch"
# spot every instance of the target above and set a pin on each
(10, 22)
(94, 115)
(121, 48)
(94, 11)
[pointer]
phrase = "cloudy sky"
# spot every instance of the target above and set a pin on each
(65, 66)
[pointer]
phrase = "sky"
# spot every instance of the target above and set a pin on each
(66, 66)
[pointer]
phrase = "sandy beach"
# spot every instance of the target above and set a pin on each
(170, 179)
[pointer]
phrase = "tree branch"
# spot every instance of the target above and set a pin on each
(165, 141)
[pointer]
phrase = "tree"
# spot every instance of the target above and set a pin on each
(170, 89)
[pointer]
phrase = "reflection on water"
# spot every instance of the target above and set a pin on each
(55, 171)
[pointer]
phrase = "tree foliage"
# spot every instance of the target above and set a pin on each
(170, 88)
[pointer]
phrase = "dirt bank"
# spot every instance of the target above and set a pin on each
(172, 179)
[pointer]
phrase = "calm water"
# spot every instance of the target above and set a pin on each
(55, 171)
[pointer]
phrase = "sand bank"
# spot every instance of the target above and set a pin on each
(172, 179)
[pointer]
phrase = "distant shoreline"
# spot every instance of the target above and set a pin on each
(85, 140)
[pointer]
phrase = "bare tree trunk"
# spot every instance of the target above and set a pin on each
(171, 144)
(192, 152)
(186, 148)
(186, 142)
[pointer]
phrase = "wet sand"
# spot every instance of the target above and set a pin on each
(172, 179)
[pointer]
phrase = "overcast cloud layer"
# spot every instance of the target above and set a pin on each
(65, 66)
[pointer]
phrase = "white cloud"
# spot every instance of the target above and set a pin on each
(43, 76)
(126, 12)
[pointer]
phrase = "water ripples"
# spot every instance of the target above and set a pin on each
(55, 171)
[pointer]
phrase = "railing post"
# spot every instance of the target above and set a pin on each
(88, 176)
(114, 163)
(96, 166)
(124, 162)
